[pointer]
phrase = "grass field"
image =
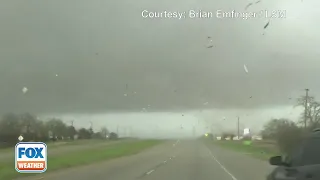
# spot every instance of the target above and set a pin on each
(83, 157)
(60, 144)
(259, 149)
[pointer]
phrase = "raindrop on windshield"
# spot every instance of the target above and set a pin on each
(245, 68)
(266, 25)
(24, 90)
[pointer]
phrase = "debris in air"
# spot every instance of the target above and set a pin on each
(206, 103)
(125, 94)
(250, 4)
(245, 68)
(250, 97)
(210, 42)
(265, 26)
(24, 90)
(56, 75)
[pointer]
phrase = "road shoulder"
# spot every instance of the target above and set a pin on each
(239, 164)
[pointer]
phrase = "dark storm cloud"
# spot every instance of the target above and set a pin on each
(101, 50)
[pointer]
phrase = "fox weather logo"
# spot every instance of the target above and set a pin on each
(31, 157)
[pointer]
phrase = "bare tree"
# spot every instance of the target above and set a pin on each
(312, 111)
(285, 132)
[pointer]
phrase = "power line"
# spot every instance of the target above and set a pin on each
(305, 109)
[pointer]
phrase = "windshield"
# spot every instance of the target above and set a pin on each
(155, 89)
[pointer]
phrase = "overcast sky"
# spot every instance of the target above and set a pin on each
(79, 56)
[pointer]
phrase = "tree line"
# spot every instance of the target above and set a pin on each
(288, 133)
(32, 128)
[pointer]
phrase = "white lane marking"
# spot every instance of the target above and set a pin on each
(149, 172)
(225, 169)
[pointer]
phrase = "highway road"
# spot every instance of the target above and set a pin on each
(172, 160)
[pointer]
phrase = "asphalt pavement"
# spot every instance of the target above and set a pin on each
(172, 160)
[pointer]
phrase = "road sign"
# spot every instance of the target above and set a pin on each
(20, 138)
(246, 131)
(31, 157)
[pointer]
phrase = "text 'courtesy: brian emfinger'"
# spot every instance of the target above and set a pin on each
(218, 14)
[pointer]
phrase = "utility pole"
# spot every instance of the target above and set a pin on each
(73, 133)
(238, 127)
(305, 109)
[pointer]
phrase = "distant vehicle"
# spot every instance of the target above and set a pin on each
(259, 138)
(113, 136)
(302, 164)
(236, 138)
